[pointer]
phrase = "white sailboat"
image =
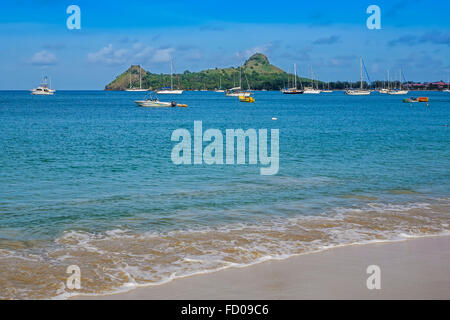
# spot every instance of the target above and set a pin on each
(360, 91)
(237, 91)
(311, 90)
(328, 90)
(220, 90)
(131, 89)
(43, 89)
(399, 91)
(385, 90)
(294, 89)
(170, 90)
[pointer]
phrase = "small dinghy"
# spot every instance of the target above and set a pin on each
(413, 100)
(246, 99)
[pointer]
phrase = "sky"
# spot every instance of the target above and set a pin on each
(327, 36)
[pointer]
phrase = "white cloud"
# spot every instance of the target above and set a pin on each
(264, 49)
(163, 55)
(43, 58)
(138, 53)
(108, 55)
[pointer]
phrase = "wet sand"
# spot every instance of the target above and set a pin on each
(412, 269)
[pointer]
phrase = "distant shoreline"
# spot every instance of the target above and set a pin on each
(97, 90)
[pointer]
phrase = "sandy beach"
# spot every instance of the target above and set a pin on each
(411, 269)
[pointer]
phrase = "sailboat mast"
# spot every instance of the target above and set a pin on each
(361, 66)
(389, 80)
(240, 77)
(171, 74)
(130, 76)
(140, 78)
(295, 75)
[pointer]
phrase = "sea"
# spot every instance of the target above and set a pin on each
(87, 180)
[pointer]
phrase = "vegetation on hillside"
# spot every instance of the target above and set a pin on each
(257, 72)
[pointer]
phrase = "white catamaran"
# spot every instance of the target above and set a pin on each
(360, 91)
(170, 90)
(131, 89)
(43, 89)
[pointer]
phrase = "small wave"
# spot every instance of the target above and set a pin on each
(403, 191)
(120, 260)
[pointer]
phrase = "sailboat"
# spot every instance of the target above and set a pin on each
(170, 90)
(43, 89)
(328, 90)
(220, 90)
(294, 89)
(399, 91)
(311, 90)
(361, 91)
(237, 91)
(131, 89)
(385, 90)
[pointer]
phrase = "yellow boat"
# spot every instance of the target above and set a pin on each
(246, 99)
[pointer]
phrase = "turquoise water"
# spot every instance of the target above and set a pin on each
(88, 174)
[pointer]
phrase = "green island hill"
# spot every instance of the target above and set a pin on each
(256, 72)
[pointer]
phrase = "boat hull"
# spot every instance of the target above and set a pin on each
(238, 94)
(398, 92)
(169, 92)
(155, 104)
(311, 92)
(42, 93)
(293, 91)
(246, 99)
(358, 92)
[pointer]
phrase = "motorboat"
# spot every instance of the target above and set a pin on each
(152, 101)
(43, 89)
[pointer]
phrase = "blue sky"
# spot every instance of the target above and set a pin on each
(327, 35)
